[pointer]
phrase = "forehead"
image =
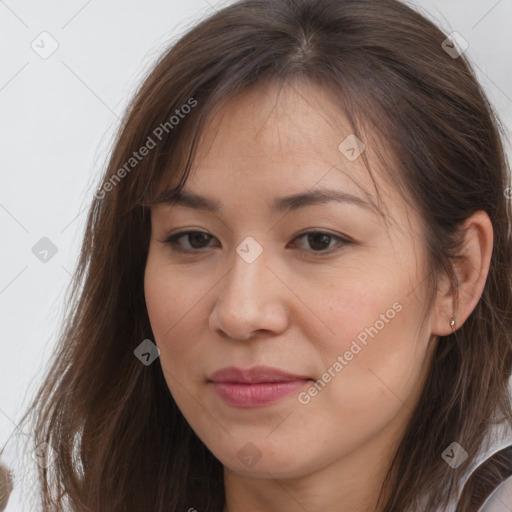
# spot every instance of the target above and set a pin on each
(271, 140)
(292, 124)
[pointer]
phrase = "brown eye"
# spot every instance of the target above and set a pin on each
(319, 241)
(197, 240)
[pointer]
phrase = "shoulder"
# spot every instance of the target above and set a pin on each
(500, 499)
(490, 473)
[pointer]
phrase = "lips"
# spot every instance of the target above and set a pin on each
(256, 386)
(254, 375)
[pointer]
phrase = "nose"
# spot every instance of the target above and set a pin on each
(251, 298)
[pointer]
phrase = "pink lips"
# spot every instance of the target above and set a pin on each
(256, 386)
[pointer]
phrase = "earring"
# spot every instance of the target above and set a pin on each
(452, 323)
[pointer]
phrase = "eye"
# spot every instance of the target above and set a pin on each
(317, 240)
(198, 238)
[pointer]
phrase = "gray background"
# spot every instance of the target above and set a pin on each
(58, 116)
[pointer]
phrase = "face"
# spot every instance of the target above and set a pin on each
(324, 291)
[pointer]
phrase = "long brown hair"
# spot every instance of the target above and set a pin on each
(122, 443)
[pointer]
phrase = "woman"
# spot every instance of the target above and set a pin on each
(294, 290)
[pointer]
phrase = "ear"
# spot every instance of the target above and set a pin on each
(471, 270)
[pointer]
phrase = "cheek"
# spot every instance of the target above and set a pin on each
(172, 306)
(359, 308)
(373, 357)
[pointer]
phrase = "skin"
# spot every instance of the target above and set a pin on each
(296, 310)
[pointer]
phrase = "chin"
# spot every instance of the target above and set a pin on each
(259, 460)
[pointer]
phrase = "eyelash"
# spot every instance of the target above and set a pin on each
(172, 241)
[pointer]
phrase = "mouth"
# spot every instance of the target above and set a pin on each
(255, 387)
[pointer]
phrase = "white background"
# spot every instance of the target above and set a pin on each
(58, 116)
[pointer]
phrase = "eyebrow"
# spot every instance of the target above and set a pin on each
(292, 202)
